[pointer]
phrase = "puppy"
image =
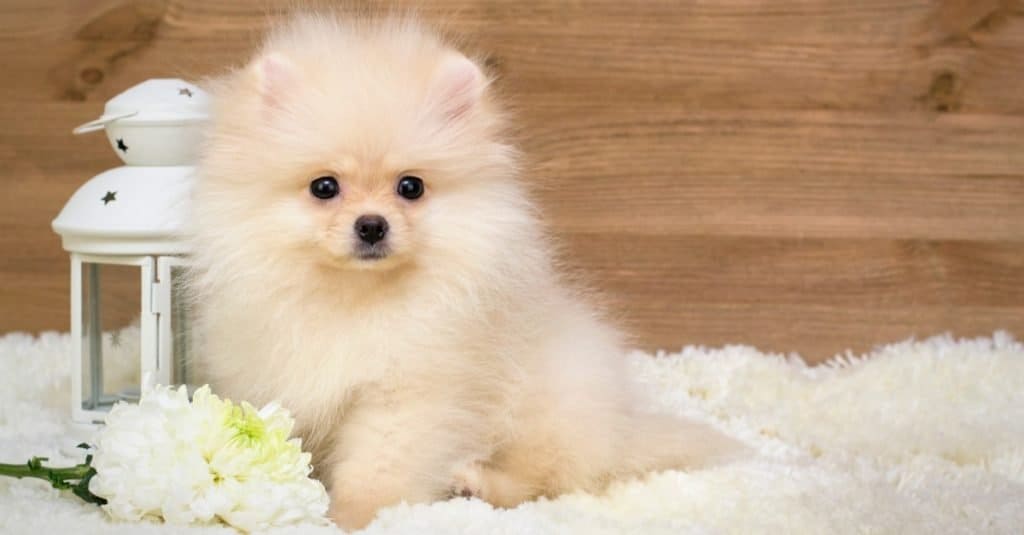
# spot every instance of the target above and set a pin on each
(365, 252)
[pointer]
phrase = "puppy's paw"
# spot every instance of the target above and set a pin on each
(351, 518)
(468, 481)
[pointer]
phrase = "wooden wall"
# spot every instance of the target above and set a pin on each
(804, 175)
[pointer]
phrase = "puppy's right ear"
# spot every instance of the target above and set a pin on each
(275, 77)
(457, 86)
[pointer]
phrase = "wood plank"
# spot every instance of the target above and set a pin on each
(858, 273)
(732, 75)
(813, 141)
(798, 55)
(814, 174)
(38, 302)
(792, 204)
(814, 297)
(752, 75)
(793, 21)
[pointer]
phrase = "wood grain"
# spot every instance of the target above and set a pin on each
(793, 271)
(815, 174)
(891, 55)
(804, 175)
(769, 291)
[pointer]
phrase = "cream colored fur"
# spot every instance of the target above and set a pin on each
(462, 363)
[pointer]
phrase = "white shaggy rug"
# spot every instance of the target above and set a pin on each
(918, 437)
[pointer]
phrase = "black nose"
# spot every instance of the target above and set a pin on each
(371, 228)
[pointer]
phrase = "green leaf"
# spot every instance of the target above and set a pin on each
(82, 489)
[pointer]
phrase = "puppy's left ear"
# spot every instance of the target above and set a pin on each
(457, 86)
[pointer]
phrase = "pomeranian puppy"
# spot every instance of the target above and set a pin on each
(365, 253)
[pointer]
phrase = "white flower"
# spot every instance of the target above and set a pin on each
(203, 461)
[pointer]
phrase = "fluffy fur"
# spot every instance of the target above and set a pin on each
(917, 437)
(460, 363)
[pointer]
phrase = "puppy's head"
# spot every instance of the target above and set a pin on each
(356, 147)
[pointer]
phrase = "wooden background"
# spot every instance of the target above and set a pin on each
(807, 175)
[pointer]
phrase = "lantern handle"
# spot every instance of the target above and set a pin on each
(101, 123)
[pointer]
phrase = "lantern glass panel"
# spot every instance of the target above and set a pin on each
(180, 321)
(110, 334)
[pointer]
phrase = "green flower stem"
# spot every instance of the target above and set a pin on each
(35, 468)
(74, 478)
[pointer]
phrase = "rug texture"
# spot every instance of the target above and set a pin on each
(917, 437)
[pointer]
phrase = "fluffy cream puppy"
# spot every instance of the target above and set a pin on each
(367, 255)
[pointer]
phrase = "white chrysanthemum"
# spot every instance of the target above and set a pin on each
(204, 461)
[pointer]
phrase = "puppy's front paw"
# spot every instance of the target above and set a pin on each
(468, 481)
(351, 516)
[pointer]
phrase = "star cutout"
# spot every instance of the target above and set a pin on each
(109, 197)
(121, 146)
(185, 91)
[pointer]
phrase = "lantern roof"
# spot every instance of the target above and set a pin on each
(157, 122)
(159, 101)
(139, 209)
(128, 210)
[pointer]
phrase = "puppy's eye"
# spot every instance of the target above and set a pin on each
(325, 187)
(410, 187)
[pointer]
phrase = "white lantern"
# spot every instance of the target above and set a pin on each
(128, 220)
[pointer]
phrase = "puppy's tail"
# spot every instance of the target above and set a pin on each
(657, 442)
